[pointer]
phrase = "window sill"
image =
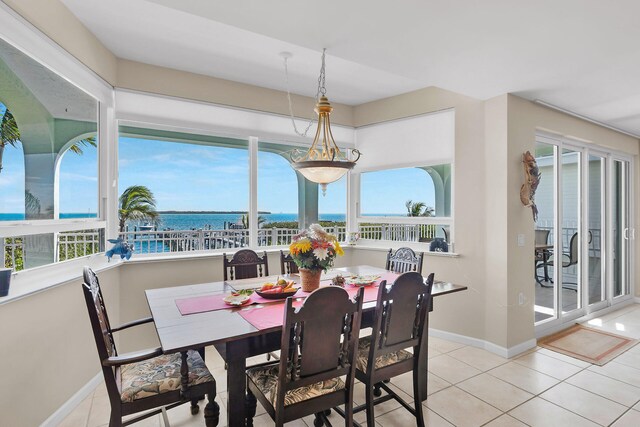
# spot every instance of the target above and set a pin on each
(32, 281)
(418, 247)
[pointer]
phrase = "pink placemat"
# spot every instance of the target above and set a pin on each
(272, 315)
(214, 302)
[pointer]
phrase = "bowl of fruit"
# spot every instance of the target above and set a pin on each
(281, 289)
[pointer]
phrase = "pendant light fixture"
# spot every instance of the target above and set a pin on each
(324, 162)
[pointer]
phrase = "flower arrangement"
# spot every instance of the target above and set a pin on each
(315, 249)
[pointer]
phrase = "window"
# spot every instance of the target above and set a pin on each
(189, 191)
(48, 155)
(388, 198)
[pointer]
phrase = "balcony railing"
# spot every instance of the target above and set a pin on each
(69, 245)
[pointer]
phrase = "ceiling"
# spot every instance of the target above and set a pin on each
(580, 55)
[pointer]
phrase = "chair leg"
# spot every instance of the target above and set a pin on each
(194, 406)
(115, 420)
(251, 405)
(417, 399)
(211, 411)
(370, 405)
(317, 420)
(377, 391)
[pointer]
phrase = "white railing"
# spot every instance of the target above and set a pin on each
(75, 244)
(11, 249)
(594, 238)
(400, 232)
(185, 240)
(69, 245)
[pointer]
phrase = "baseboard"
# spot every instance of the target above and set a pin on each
(486, 345)
(71, 404)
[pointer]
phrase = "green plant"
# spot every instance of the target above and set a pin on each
(418, 209)
(137, 203)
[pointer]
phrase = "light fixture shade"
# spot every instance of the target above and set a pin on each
(323, 171)
(323, 163)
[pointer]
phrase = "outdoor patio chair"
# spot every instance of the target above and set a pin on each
(400, 322)
(245, 264)
(318, 347)
(145, 379)
(568, 259)
(404, 260)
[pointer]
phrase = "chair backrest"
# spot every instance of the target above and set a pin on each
(542, 237)
(100, 324)
(446, 234)
(404, 260)
(400, 319)
(319, 339)
(287, 264)
(245, 264)
(573, 250)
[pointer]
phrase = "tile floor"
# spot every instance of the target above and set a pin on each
(472, 387)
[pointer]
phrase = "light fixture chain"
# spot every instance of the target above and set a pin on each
(293, 120)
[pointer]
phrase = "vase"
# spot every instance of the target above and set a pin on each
(5, 280)
(310, 279)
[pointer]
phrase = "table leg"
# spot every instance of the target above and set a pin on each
(184, 375)
(423, 361)
(236, 384)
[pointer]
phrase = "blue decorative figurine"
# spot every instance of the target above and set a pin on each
(121, 248)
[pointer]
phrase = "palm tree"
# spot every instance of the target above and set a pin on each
(245, 220)
(418, 209)
(137, 203)
(10, 135)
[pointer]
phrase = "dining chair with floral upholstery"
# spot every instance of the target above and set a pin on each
(400, 323)
(404, 260)
(147, 379)
(318, 348)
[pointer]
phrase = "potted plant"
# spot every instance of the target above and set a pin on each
(313, 251)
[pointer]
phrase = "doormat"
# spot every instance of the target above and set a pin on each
(588, 344)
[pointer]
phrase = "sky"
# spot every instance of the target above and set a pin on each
(199, 177)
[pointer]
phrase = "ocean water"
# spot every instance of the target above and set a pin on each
(194, 221)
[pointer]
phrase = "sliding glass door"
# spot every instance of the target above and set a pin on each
(584, 208)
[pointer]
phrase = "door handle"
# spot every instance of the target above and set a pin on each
(625, 234)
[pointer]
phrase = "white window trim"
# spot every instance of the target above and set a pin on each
(18, 32)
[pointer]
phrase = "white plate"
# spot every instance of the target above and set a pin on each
(237, 300)
(362, 280)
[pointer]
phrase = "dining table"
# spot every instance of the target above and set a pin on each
(194, 316)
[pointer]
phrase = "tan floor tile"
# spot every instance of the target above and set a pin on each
(432, 352)
(619, 372)
(100, 411)
(637, 406)
(80, 415)
(478, 358)
(405, 383)
(494, 391)
(564, 357)
(591, 406)
(220, 375)
(548, 365)
(381, 408)
(265, 420)
(630, 419)
(402, 418)
(460, 408)
(450, 369)
(540, 413)
(153, 421)
(527, 379)
(213, 358)
(629, 358)
(505, 421)
(442, 345)
(615, 390)
(181, 416)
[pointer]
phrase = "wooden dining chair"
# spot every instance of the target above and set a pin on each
(287, 264)
(318, 347)
(404, 260)
(245, 264)
(145, 379)
(400, 322)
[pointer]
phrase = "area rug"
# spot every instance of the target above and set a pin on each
(588, 344)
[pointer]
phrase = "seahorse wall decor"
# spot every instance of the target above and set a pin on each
(532, 177)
